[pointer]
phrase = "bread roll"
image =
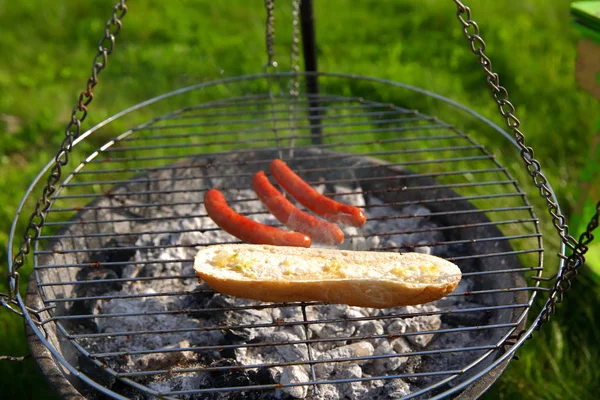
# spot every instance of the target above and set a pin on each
(356, 278)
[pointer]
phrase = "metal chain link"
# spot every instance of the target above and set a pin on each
(295, 53)
(507, 110)
(72, 131)
(294, 84)
(270, 33)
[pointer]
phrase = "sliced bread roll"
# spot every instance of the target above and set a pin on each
(356, 278)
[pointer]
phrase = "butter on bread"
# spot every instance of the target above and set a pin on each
(356, 278)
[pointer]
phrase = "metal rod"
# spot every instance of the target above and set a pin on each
(171, 127)
(332, 361)
(118, 280)
(261, 111)
(147, 192)
(195, 292)
(425, 244)
(272, 305)
(441, 228)
(109, 335)
(197, 203)
(180, 277)
(364, 192)
(324, 382)
(250, 174)
(262, 139)
(309, 48)
(381, 113)
(295, 342)
(159, 168)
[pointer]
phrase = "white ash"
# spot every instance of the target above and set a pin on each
(376, 342)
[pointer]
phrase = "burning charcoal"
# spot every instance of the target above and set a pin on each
(352, 390)
(323, 347)
(236, 377)
(359, 349)
(295, 374)
(328, 392)
(337, 329)
(370, 328)
(385, 365)
(373, 242)
(113, 252)
(194, 329)
(277, 353)
(330, 329)
(400, 346)
(292, 352)
(250, 317)
(349, 195)
(422, 341)
(416, 324)
(353, 239)
(93, 274)
(423, 249)
(396, 389)
(355, 312)
(187, 381)
(471, 318)
(369, 312)
(86, 307)
(163, 360)
(413, 222)
(374, 388)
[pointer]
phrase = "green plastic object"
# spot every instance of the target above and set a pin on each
(586, 17)
(589, 194)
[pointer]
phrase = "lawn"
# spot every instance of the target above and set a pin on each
(46, 50)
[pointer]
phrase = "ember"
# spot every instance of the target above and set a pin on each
(165, 331)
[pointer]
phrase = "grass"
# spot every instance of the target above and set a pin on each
(45, 58)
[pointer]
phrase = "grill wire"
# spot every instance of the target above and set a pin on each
(351, 126)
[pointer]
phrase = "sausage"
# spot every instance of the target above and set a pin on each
(246, 229)
(288, 214)
(307, 196)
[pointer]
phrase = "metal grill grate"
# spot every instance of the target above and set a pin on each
(151, 178)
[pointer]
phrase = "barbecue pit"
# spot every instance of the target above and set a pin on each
(114, 307)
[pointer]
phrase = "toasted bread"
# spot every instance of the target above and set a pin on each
(356, 278)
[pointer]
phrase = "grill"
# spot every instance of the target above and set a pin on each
(114, 307)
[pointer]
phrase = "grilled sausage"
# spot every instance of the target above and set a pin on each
(307, 196)
(246, 229)
(297, 220)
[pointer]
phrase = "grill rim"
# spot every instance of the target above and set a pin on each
(506, 356)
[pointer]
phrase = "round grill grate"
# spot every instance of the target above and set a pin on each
(113, 265)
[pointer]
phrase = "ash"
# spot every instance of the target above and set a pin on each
(194, 350)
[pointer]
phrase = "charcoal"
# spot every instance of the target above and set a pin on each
(237, 377)
(396, 389)
(189, 314)
(294, 374)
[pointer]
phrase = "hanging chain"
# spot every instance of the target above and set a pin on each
(72, 131)
(270, 33)
(294, 84)
(507, 110)
(295, 53)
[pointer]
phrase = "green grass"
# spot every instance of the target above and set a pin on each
(45, 57)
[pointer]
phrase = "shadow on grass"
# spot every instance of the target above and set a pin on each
(566, 340)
